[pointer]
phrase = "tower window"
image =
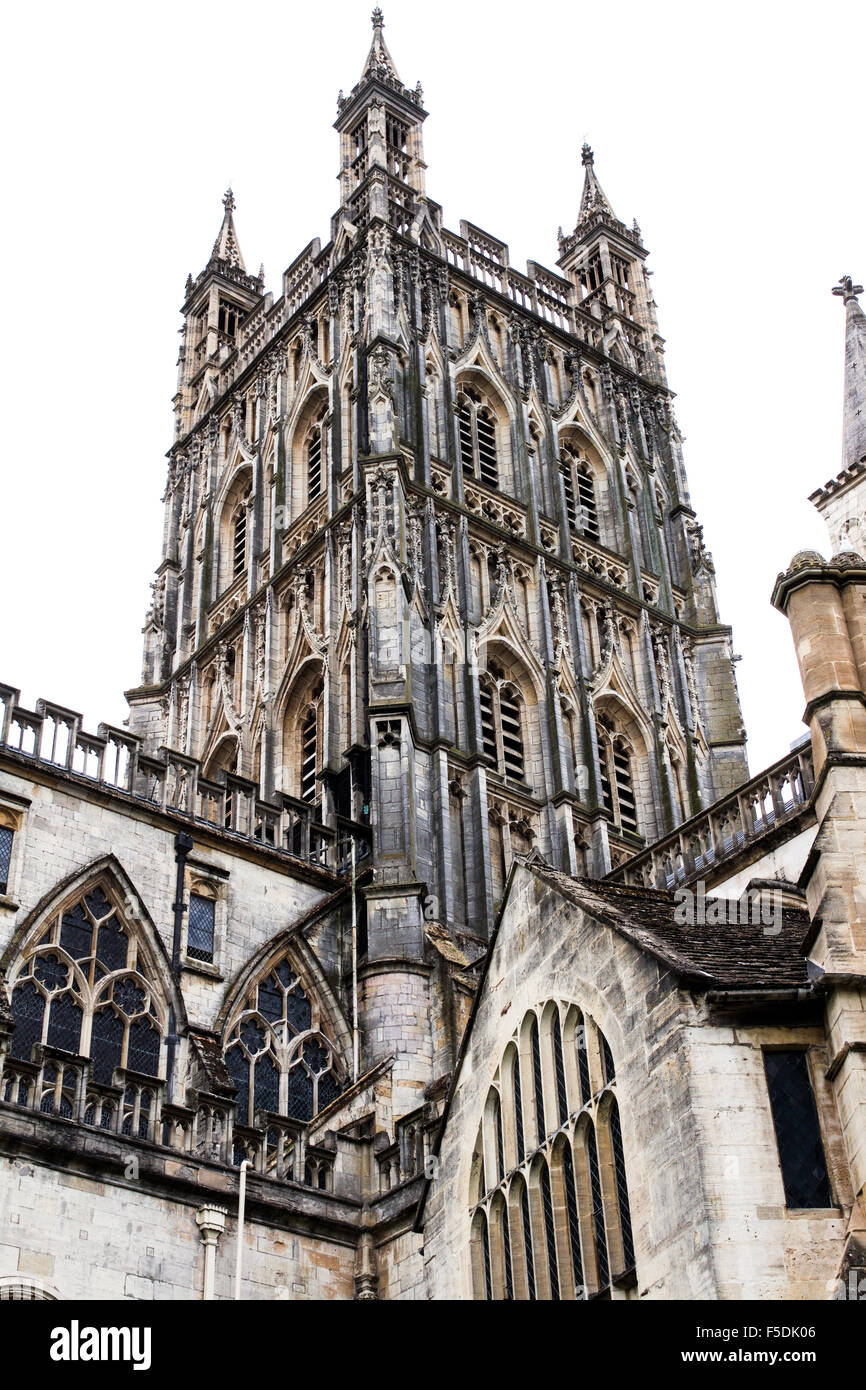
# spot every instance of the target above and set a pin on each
(200, 928)
(314, 462)
(798, 1134)
(476, 426)
(309, 755)
(502, 726)
(617, 778)
(231, 316)
(239, 543)
(581, 503)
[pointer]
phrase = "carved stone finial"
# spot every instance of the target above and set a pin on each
(229, 201)
(378, 19)
(847, 289)
(586, 155)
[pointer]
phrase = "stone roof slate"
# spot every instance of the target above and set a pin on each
(724, 956)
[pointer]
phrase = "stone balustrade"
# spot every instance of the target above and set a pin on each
(739, 820)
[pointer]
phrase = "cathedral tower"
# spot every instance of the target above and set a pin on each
(431, 581)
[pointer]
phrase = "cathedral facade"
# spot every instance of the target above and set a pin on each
(434, 683)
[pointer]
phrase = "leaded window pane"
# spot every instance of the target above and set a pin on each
(143, 1048)
(200, 928)
(6, 836)
(540, 1127)
(573, 1222)
(549, 1233)
(597, 1210)
(28, 1008)
(64, 1023)
(559, 1068)
(300, 1105)
(798, 1134)
(621, 1187)
(106, 1044)
(527, 1240)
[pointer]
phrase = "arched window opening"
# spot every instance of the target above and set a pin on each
(276, 1053)
(314, 462)
(565, 1219)
(519, 1142)
(559, 1071)
(502, 737)
(309, 755)
(581, 501)
(573, 1222)
(617, 777)
(582, 1063)
(600, 1239)
(606, 1059)
(485, 1244)
(476, 429)
(538, 1083)
(500, 1146)
(549, 1231)
(85, 987)
(528, 1255)
(621, 1187)
(239, 542)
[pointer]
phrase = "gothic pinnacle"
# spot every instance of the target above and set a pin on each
(226, 247)
(854, 421)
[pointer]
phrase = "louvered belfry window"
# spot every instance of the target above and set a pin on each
(239, 542)
(502, 726)
(616, 768)
(314, 463)
(309, 755)
(476, 427)
(581, 502)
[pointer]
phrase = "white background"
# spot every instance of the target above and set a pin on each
(733, 132)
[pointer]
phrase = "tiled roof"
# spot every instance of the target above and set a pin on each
(724, 956)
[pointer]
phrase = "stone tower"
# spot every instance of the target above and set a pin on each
(431, 581)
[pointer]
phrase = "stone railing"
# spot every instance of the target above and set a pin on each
(599, 562)
(113, 759)
(58, 1083)
(727, 828)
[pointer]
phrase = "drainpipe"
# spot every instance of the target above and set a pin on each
(355, 1047)
(242, 1200)
(182, 845)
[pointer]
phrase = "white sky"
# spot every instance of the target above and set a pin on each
(734, 133)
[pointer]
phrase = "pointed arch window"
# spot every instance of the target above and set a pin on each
(277, 1055)
(86, 987)
(502, 724)
(616, 765)
(309, 754)
(566, 1200)
(581, 501)
(239, 541)
(476, 424)
(314, 457)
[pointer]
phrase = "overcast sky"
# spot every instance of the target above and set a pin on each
(734, 133)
